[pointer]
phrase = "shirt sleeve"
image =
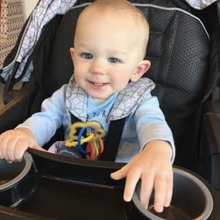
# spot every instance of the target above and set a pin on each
(151, 123)
(45, 123)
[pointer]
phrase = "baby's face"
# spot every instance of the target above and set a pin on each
(105, 56)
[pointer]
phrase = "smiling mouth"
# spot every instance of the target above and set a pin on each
(98, 83)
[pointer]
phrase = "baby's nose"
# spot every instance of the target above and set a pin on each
(98, 67)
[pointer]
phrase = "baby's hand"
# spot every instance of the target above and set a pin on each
(153, 166)
(13, 144)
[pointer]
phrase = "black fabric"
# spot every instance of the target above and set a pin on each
(113, 140)
(179, 53)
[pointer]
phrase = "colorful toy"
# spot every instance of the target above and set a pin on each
(95, 145)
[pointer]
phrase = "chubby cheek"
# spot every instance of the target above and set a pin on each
(120, 81)
(79, 78)
(79, 71)
(78, 75)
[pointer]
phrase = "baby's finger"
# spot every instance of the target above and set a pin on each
(7, 149)
(1, 157)
(120, 174)
(160, 192)
(147, 182)
(21, 147)
(169, 190)
(131, 181)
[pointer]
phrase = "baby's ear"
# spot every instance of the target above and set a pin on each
(142, 68)
(72, 52)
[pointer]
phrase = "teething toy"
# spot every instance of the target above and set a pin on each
(95, 145)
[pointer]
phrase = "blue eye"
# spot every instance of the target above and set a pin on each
(87, 55)
(113, 60)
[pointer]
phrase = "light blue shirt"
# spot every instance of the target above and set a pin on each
(145, 121)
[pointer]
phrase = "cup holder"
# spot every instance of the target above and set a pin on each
(17, 181)
(191, 200)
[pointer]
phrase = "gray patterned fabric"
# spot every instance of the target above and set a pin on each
(200, 4)
(127, 99)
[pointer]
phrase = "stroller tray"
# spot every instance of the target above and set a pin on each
(54, 199)
(69, 189)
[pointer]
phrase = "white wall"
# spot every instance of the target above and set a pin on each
(28, 6)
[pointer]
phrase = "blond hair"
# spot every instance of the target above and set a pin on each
(124, 10)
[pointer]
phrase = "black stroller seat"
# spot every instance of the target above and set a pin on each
(184, 52)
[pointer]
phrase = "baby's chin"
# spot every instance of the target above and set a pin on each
(99, 100)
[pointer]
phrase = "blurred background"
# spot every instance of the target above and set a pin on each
(28, 6)
(11, 11)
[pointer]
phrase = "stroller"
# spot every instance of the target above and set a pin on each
(184, 49)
